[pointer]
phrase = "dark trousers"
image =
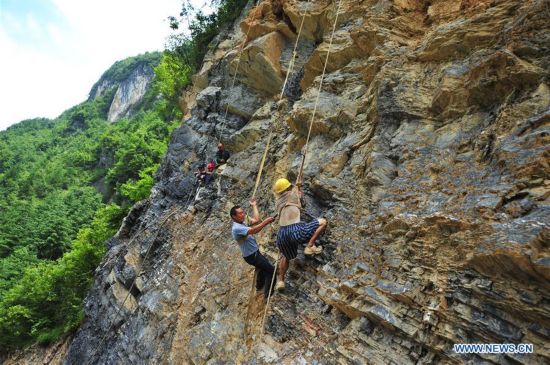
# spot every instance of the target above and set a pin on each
(265, 271)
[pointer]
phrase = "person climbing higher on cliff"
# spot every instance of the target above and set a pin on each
(292, 231)
(202, 182)
(201, 174)
(210, 171)
(222, 155)
(221, 158)
(244, 235)
(204, 173)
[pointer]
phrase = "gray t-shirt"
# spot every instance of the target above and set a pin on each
(247, 242)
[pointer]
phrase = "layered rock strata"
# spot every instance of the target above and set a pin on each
(130, 92)
(429, 157)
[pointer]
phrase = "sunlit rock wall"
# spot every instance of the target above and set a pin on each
(429, 157)
(130, 92)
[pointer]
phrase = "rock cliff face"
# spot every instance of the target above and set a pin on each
(54, 354)
(129, 91)
(429, 157)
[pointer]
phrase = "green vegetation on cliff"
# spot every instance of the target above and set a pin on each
(120, 70)
(186, 50)
(66, 184)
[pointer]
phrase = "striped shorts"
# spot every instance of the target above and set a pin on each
(289, 237)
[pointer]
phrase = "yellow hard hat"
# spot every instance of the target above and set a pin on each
(281, 185)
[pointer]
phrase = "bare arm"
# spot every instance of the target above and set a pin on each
(298, 189)
(258, 227)
(255, 219)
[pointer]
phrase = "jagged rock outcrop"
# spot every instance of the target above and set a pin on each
(429, 157)
(101, 86)
(130, 92)
(53, 354)
(125, 85)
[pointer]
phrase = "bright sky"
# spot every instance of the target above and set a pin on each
(52, 51)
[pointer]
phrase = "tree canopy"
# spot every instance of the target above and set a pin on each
(66, 183)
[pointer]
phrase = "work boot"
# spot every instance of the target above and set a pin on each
(313, 250)
(280, 285)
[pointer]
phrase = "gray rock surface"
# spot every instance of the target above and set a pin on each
(429, 157)
(130, 92)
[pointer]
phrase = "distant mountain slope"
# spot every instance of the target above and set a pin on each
(428, 156)
(121, 71)
(65, 185)
(127, 81)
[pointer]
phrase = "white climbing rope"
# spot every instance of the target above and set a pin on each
(309, 132)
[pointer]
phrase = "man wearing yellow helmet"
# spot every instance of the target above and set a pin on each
(292, 231)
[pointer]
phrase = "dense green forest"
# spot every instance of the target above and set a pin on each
(66, 184)
(120, 70)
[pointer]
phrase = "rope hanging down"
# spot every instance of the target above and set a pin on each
(288, 72)
(235, 76)
(294, 55)
(259, 175)
(299, 178)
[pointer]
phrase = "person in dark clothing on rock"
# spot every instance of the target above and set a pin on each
(201, 174)
(244, 235)
(222, 155)
(221, 158)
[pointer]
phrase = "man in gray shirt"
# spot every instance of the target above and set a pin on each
(244, 235)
